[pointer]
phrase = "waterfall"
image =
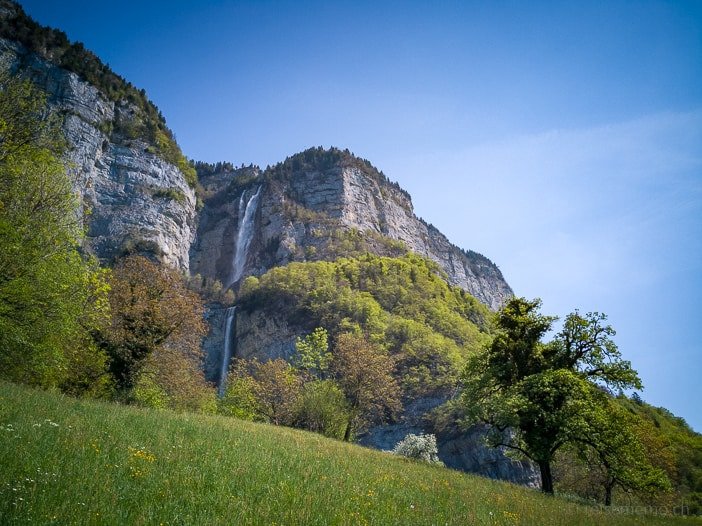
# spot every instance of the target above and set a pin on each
(247, 215)
(229, 335)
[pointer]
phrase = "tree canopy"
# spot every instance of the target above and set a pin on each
(152, 309)
(51, 295)
(540, 396)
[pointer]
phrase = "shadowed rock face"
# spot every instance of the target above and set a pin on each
(132, 200)
(459, 449)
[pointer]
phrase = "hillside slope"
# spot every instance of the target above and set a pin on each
(70, 462)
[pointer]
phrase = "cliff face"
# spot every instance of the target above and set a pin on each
(132, 199)
(316, 206)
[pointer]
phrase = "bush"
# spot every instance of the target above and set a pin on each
(239, 399)
(322, 408)
(419, 447)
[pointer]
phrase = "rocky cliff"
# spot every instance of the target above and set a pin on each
(132, 199)
(320, 204)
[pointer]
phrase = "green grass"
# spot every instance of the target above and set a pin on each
(66, 461)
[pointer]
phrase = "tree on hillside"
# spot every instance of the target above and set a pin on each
(322, 407)
(539, 397)
(262, 391)
(613, 448)
(51, 296)
(313, 356)
(152, 309)
(364, 373)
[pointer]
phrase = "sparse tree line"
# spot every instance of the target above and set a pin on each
(393, 330)
(337, 392)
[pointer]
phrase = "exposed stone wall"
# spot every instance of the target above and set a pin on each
(336, 198)
(131, 198)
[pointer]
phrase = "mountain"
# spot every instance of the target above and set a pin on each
(302, 208)
(140, 195)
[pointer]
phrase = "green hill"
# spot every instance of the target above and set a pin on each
(66, 461)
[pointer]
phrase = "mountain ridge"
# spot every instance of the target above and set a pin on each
(315, 194)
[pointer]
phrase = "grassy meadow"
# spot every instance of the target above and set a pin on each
(66, 461)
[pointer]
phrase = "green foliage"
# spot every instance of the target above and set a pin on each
(239, 399)
(262, 391)
(615, 455)
(152, 311)
(313, 354)
(146, 122)
(322, 408)
(172, 378)
(335, 393)
(66, 461)
(539, 397)
(51, 296)
(402, 304)
(174, 194)
(674, 447)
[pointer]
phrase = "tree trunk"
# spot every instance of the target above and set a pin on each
(608, 494)
(347, 433)
(546, 477)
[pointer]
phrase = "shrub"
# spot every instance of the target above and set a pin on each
(239, 399)
(420, 447)
(322, 408)
(174, 194)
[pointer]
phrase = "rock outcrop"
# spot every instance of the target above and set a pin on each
(132, 199)
(317, 200)
(460, 449)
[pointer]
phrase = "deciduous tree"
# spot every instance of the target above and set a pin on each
(364, 373)
(540, 396)
(51, 295)
(152, 309)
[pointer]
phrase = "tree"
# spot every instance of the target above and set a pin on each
(173, 379)
(152, 310)
(313, 354)
(322, 408)
(364, 373)
(51, 295)
(612, 445)
(276, 388)
(538, 397)
(239, 398)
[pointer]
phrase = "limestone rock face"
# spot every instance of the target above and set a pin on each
(300, 212)
(132, 199)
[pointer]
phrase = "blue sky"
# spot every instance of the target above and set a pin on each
(561, 139)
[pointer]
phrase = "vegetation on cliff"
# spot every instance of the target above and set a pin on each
(146, 123)
(402, 304)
